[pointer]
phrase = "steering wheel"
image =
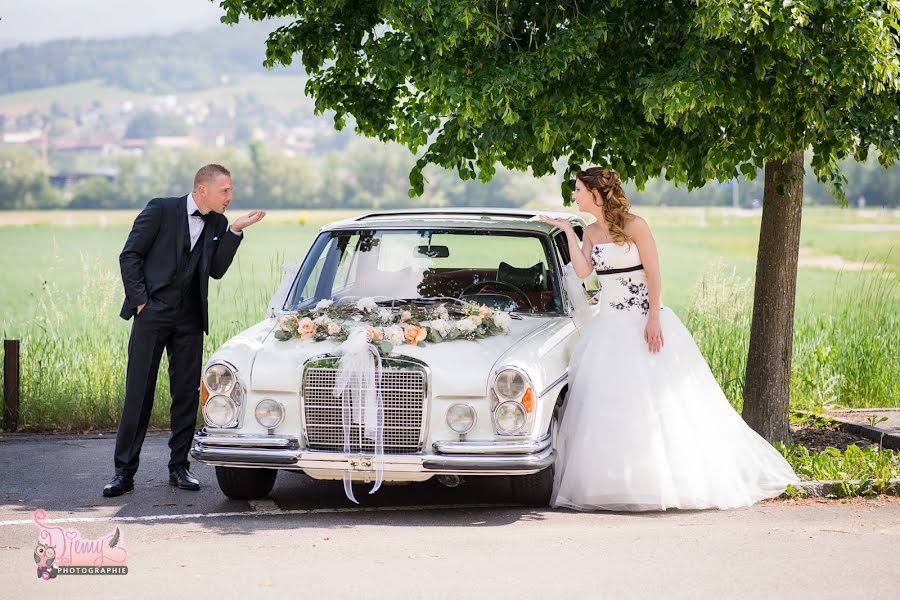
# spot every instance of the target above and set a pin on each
(481, 284)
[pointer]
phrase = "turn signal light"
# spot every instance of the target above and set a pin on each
(204, 394)
(528, 400)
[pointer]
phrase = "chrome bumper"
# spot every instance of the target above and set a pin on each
(449, 458)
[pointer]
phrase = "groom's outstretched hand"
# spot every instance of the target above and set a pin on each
(254, 216)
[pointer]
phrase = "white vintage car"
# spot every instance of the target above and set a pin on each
(453, 409)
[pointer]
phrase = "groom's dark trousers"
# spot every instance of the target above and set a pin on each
(162, 271)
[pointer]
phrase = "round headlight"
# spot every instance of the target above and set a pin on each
(269, 413)
(219, 411)
(510, 385)
(510, 417)
(219, 378)
(461, 418)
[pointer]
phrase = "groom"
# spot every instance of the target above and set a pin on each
(175, 245)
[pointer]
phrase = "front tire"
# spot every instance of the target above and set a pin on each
(537, 488)
(534, 489)
(246, 484)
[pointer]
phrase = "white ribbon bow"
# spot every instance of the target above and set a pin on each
(358, 382)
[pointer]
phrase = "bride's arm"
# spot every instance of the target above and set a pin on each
(640, 233)
(579, 257)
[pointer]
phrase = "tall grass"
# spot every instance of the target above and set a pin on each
(74, 351)
(847, 357)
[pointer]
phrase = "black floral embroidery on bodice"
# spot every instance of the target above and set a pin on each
(637, 297)
(597, 259)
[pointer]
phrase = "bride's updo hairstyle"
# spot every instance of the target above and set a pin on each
(607, 183)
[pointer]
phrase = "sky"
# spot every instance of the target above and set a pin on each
(34, 21)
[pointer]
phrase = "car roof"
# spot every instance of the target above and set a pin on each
(455, 218)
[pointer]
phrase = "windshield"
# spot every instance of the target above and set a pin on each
(505, 270)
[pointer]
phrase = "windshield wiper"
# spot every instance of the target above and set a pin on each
(426, 300)
(422, 300)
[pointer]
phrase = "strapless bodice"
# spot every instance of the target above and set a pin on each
(622, 278)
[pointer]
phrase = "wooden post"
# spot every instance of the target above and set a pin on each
(11, 385)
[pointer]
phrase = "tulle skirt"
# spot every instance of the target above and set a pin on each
(643, 431)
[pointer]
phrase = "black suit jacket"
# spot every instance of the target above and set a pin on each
(152, 253)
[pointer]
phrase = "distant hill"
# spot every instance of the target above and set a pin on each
(160, 64)
(8, 43)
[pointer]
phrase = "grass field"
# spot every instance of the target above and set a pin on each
(283, 92)
(60, 293)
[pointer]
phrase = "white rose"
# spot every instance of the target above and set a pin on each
(466, 325)
(322, 321)
(323, 304)
(366, 304)
(394, 334)
(385, 315)
(333, 328)
(405, 316)
(441, 326)
(502, 320)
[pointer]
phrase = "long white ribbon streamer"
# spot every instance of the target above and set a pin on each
(358, 383)
(581, 307)
(289, 273)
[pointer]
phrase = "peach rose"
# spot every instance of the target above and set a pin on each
(373, 334)
(288, 324)
(306, 328)
(485, 311)
(413, 335)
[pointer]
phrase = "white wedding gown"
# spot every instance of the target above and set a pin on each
(644, 431)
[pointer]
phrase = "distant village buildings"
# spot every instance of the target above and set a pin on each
(101, 130)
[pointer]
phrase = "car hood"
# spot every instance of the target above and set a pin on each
(458, 367)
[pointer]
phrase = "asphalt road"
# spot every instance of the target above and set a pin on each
(421, 540)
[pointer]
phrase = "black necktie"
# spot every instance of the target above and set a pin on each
(197, 213)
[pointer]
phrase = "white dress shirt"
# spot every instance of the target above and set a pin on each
(195, 224)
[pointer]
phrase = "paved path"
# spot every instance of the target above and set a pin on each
(861, 416)
(424, 541)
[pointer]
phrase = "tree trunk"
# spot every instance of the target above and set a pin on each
(767, 385)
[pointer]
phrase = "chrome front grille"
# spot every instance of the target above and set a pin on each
(404, 393)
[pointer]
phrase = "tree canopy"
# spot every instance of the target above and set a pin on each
(695, 90)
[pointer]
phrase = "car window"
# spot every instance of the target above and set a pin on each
(505, 269)
(345, 276)
(309, 288)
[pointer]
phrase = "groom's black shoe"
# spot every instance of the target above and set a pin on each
(118, 486)
(182, 478)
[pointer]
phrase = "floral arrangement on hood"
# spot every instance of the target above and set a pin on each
(387, 327)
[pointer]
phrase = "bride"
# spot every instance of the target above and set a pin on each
(646, 425)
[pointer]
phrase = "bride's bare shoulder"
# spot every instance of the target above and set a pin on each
(635, 224)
